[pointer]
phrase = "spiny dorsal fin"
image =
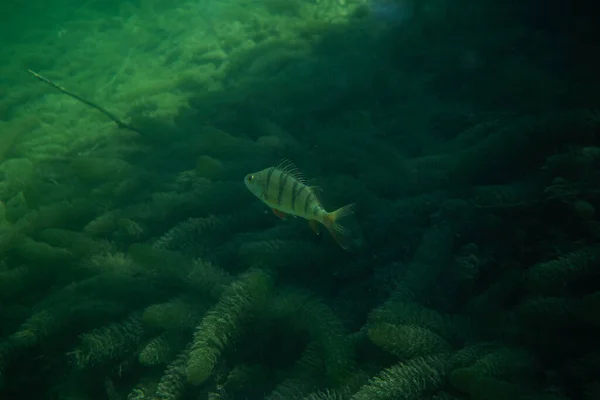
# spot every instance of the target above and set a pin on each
(290, 168)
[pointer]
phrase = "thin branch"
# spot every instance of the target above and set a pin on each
(119, 122)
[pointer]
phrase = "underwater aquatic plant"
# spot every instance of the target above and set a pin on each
(392, 11)
(150, 251)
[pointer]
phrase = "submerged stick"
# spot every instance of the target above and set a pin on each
(119, 122)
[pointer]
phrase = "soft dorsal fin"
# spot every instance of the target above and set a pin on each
(290, 168)
(316, 188)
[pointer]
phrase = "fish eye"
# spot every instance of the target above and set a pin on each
(250, 178)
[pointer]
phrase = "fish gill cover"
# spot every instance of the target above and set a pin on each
(135, 264)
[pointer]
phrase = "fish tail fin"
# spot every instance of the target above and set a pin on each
(338, 231)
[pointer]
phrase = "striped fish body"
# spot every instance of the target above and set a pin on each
(285, 191)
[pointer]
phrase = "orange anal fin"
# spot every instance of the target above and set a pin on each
(314, 225)
(280, 214)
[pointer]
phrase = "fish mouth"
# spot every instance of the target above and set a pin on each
(247, 183)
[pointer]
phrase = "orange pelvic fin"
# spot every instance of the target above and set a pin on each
(314, 225)
(280, 214)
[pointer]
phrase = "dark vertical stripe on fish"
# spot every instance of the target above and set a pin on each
(283, 177)
(269, 174)
(294, 194)
(300, 193)
(307, 203)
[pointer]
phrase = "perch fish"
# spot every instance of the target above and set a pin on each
(284, 189)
